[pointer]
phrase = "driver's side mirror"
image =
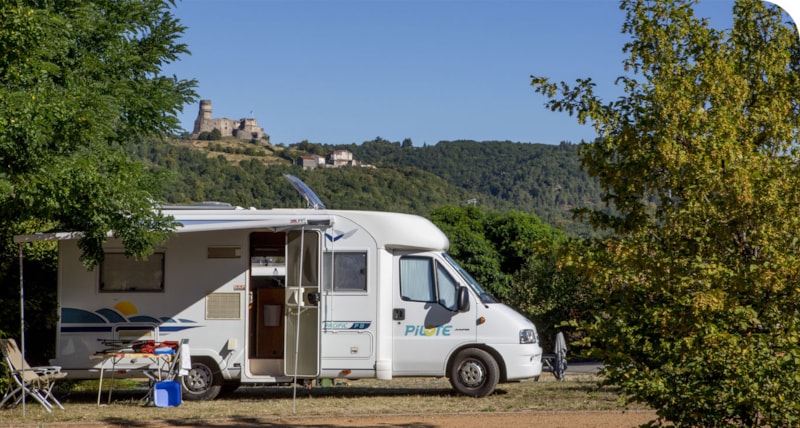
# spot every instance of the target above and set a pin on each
(463, 299)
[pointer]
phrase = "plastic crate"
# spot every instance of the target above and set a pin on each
(167, 394)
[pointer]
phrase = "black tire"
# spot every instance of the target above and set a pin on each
(474, 372)
(203, 382)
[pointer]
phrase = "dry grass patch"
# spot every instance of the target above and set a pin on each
(255, 404)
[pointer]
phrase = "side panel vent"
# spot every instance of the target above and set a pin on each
(224, 252)
(223, 306)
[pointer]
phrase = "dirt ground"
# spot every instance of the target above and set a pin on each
(597, 419)
(409, 391)
(496, 420)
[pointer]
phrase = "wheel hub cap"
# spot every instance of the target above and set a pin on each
(472, 373)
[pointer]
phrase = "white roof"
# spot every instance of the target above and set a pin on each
(390, 230)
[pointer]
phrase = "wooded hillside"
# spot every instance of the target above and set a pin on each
(545, 180)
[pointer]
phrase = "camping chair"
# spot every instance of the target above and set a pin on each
(36, 382)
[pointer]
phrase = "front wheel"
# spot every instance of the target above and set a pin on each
(203, 382)
(474, 372)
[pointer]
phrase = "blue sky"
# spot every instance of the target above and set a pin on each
(348, 71)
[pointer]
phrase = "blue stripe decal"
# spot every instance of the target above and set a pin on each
(100, 329)
(173, 329)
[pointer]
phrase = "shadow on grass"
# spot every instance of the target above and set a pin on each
(257, 393)
(251, 422)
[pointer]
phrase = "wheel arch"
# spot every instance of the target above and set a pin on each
(206, 387)
(501, 364)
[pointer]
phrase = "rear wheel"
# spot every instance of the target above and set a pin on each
(203, 382)
(474, 372)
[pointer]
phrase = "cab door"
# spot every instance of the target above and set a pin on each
(427, 323)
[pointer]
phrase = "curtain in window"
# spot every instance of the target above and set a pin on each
(416, 279)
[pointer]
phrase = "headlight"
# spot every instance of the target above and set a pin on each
(527, 335)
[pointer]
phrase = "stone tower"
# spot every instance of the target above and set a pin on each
(204, 115)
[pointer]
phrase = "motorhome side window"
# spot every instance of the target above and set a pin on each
(424, 280)
(349, 271)
(119, 273)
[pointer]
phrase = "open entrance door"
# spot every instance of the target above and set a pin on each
(303, 266)
(267, 307)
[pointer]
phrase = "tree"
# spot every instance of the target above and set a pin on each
(79, 77)
(465, 227)
(699, 159)
(517, 258)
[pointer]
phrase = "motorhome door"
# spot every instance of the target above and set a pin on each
(303, 266)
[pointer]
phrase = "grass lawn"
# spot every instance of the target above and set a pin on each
(344, 398)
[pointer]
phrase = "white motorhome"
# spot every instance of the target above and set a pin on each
(282, 295)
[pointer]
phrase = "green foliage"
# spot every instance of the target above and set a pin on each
(545, 180)
(466, 228)
(700, 160)
(517, 258)
(78, 78)
(213, 135)
(407, 179)
(316, 149)
(196, 177)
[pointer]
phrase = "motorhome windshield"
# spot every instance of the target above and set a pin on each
(484, 295)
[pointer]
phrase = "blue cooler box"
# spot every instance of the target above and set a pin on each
(167, 394)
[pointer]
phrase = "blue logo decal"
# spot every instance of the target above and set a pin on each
(346, 325)
(338, 235)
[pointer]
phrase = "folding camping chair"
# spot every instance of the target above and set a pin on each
(36, 382)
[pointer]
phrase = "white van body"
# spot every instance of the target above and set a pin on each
(259, 299)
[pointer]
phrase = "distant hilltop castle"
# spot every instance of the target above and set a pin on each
(246, 129)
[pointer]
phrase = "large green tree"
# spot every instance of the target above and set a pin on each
(700, 160)
(77, 78)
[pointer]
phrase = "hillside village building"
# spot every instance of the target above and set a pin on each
(246, 129)
(342, 158)
(311, 162)
(337, 159)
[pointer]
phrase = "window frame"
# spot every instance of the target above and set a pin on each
(133, 268)
(329, 266)
(436, 268)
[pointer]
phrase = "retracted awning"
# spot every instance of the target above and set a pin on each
(53, 236)
(205, 225)
(208, 225)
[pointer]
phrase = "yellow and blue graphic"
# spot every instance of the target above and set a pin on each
(75, 320)
(421, 330)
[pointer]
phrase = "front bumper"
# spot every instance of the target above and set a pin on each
(522, 361)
